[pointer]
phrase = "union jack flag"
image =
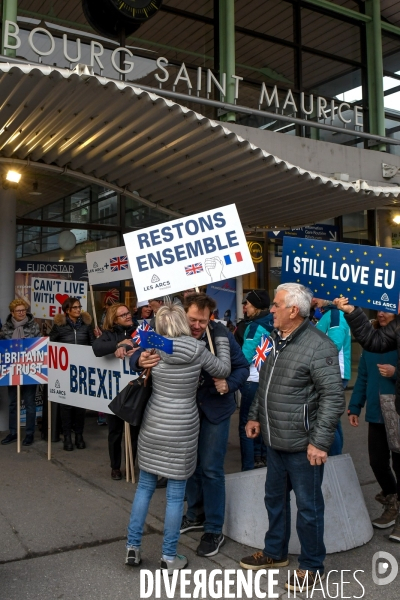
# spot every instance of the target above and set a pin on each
(263, 349)
(23, 361)
(119, 263)
(145, 326)
(194, 269)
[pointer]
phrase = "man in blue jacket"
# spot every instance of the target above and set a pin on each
(205, 490)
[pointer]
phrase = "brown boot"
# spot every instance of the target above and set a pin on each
(390, 512)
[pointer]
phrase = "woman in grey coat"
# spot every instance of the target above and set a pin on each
(169, 433)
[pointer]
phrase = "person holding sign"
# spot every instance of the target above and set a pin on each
(72, 327)
(297, 406)
(116, 339)
(169, 432)
(20, 324)
(382, 340)
(376, 376)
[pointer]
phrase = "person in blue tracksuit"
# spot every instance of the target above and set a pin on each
(335, 326)
(259, 323)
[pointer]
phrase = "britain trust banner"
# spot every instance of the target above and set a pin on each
(188, 252)
(23, 361)
(368, 276)
(78, 378)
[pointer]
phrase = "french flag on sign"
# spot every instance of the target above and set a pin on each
(230, 258)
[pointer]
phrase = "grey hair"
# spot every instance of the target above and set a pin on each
(171, 321)
(297, 295)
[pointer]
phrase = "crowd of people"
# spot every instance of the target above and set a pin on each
(289, 415)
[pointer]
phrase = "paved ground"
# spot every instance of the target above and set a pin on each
(63, 523)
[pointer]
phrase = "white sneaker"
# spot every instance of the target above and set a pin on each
(133, 557)
(178, 563)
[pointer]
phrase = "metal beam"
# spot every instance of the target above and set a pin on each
(9, 14)
(390, 28)
(375, 70)
(265, 114)
(340, 10)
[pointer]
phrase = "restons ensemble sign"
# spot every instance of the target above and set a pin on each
(188, 252)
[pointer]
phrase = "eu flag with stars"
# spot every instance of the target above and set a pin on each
(368, 276)
(151, 339)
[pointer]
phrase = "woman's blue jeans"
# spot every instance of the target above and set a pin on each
(249, 448)
(173, 514)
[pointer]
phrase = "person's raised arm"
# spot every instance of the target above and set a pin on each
(373, 340)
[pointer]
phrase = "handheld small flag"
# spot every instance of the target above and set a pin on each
(263, 349)
(145, 326)
(151, 339)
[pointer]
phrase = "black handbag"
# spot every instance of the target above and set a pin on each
(129, 405)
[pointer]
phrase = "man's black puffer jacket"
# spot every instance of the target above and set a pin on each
(107, 342)
(300, 396)
(379, 340)
(62, 331)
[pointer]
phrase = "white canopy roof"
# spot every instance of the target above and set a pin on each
(174, 158)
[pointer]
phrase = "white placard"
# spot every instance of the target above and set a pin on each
(105, 266)
(48, 295)
(78, 378)
(188, 252)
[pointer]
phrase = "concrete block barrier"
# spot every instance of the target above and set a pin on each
(347, 523)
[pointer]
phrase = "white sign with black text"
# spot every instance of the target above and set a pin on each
(106, 266)
(188, 252)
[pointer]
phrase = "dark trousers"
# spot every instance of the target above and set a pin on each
(292, 471)
(379, 459)
(72, 417)
(205, 489)
(115, 431)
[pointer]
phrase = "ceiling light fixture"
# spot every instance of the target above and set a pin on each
(396, 219)
(35, 191)
(13, 176)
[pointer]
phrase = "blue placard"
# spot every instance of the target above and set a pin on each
(369, 276)
(23, 361)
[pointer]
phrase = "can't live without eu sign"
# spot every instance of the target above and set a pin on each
(368, 276)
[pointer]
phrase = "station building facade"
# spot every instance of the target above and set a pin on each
(289, 108)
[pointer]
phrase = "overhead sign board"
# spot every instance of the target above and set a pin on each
(106, 266)
(311, 232)
(369, 276)
(48, 295)
(188, 252)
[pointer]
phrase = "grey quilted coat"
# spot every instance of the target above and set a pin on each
(300, 396)
(170, 427)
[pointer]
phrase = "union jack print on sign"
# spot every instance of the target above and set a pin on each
(119, 263)
(194, 269)
(23, 361)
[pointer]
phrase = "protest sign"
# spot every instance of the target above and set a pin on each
(48, 295)
(23, 361)
(188, 252)
(78, 378)
(105, 266)
(369, 276)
